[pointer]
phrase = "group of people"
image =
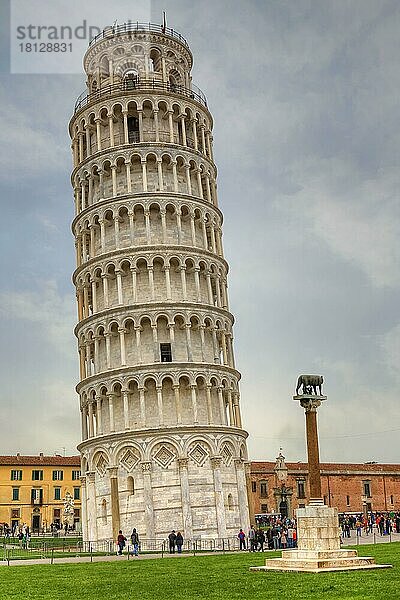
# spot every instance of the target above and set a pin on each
(384, 523)
(175, 542)
(121, 542)
(279, 534)
(24, 536)
(22, 533)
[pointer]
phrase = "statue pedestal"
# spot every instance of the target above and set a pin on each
(318, 545)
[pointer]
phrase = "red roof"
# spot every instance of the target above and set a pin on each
(45, 461)
(329, 467)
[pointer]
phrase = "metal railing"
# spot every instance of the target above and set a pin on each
(52, 550)
(132, 27)
(130, 85)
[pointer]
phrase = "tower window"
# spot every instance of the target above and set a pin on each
(263, 489)
(166, 352)
(131, 486)
(131, 80)
(133, 129)
(348, 500)
(253, 486)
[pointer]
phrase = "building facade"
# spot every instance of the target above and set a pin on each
(33, 489)
(282, 487)
(162, 440)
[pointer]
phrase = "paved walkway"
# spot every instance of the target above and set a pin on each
(96, 558)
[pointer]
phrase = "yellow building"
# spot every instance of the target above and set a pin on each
(32, 489)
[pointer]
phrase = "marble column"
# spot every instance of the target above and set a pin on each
(242, 494)
(185, 495)
(115, 514)
(84, 519)
(148, 500)
(219, 496)
(91, 507)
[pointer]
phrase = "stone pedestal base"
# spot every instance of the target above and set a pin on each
(318, 545)
(319, 562)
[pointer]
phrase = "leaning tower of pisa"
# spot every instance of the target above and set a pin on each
(162, 440)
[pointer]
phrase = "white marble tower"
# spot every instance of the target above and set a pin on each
(162, 441)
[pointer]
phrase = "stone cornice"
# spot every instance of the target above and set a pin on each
(159, 250)
(146, 370)
(162, 433)
(156, 307)
(143, 198)
(116, 152)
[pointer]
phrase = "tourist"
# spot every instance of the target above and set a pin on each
(121, 539)
(242, 540)
(252, 539)
(381, 524)
(135, 542)
(275, 537)
(358, 527)
(260, 540)
(172, 541)
(290, 536)
(283, 539)
(179, 542)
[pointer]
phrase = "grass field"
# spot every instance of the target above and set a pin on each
(201, 577)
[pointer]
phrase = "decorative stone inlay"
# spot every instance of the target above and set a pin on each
(101, 465)
(164, 457)
(129, 460)
(227, 455)
(198, 454)
(146, 466)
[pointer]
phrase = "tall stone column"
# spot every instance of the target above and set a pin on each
(91, 506)
(185, 493)
(84, 519)
(115, 515)
(219, 496)
(314, 471)
(148, 500)
(242, 495)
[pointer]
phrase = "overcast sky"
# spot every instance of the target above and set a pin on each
(305, 99)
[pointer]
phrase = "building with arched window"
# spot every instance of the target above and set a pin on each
(162, 440)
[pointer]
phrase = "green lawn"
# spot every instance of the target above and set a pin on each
(201, 577)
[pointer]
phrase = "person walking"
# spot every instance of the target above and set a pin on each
(252, 539)
(121, 539)
(179, 542)
(135, 542)
(260, 539)
(172, 541)
(242, 540)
